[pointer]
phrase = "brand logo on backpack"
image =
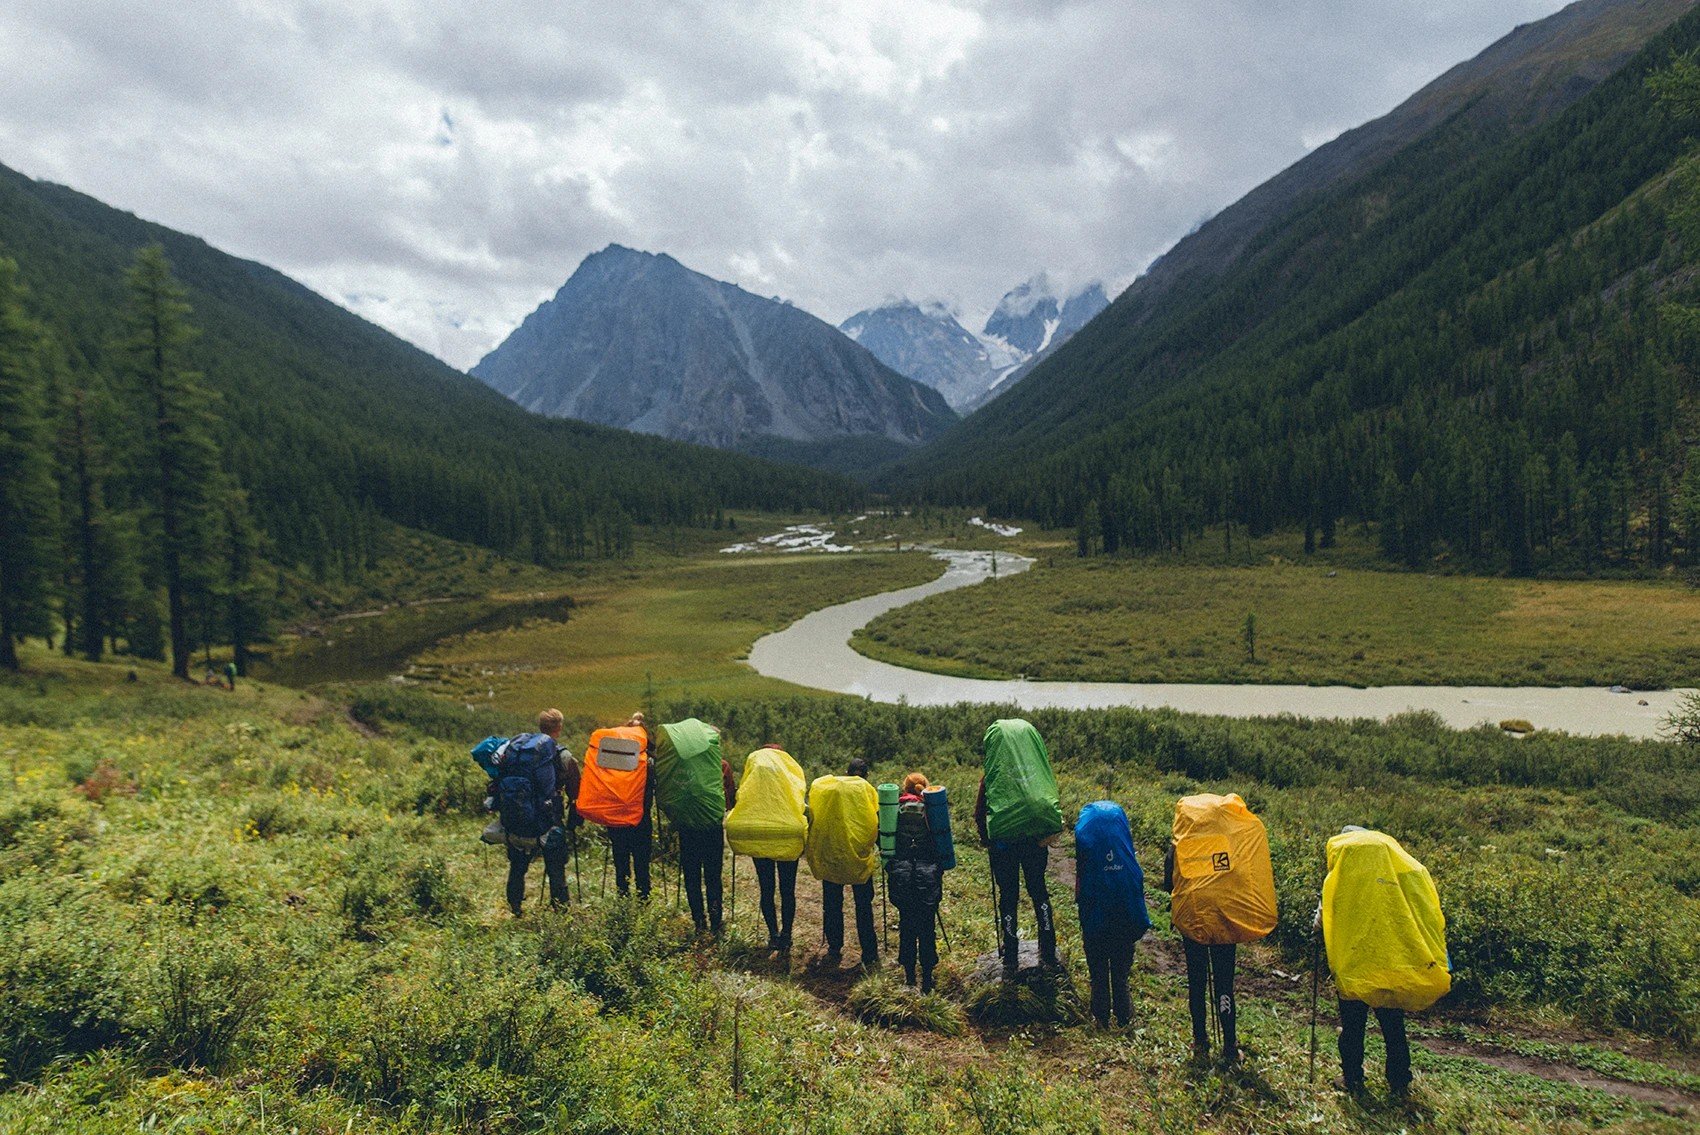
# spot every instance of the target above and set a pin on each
(1219, 861)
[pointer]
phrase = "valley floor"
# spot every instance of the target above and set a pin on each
(1318, 621)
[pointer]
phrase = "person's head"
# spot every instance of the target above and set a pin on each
(915, 783)
(636, 719)
(550, 722)
(858, 767)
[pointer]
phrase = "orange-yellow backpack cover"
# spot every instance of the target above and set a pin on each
(615, 775)
(1224, 883)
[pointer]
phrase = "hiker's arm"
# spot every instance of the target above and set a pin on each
(728, 786)
(980, 812)
(1169, 869)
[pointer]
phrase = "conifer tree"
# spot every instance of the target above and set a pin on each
(28, 499)
(181, 460)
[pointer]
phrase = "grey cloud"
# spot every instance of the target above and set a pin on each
(833, 153)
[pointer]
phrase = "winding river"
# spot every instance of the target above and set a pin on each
(815, 651)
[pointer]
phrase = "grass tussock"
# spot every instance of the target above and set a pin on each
(881, 999)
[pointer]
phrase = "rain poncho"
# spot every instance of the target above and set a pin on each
(1382, 923)
(769, 821)
(1224, 883)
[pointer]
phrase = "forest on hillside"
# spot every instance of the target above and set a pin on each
(1485, 351)
(181, 430)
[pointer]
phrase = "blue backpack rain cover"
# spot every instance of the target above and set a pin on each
(1111, 889)
(525, 785)
(486, 752)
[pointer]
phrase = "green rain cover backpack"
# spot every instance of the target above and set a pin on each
(1021, 790)
(688, 783)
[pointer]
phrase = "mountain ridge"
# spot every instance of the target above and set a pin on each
(639, 340)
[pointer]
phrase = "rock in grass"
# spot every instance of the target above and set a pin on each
(1034, 996)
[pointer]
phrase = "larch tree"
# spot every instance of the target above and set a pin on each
(28, 495)
(181, 463)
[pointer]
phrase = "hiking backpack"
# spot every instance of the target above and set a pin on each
(1021, 790)
(486, 753)
(769, 821)
(615, 777)
(913, 873)
(914, 836)
(525, 785)
(1382, 924)
(843, 829)
(1110, 885)
(1224, 883)
(689, 784)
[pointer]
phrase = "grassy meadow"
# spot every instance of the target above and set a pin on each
(1318, 622)
(268, 911)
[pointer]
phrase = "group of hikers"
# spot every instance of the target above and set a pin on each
(1379, 916)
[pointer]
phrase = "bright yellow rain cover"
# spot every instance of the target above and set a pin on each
(1381, 920)
(1224, 884)
(844, 827)
(768, 821)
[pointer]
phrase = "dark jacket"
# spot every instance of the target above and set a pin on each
(913, 876)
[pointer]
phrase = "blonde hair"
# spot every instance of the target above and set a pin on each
(915, 783)
(550, 721)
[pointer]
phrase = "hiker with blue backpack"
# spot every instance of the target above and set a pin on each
(533, 783)
(1109, 890)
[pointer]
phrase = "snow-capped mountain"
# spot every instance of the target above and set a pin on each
(927, 343)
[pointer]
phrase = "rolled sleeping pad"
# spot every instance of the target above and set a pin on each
(938, 822)
(888, 820)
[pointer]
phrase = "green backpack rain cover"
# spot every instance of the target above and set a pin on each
(1021, 790)
(688, 783)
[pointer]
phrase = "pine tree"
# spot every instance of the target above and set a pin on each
(28, 496)
(182, 459)
(244, 587)
(95, 564)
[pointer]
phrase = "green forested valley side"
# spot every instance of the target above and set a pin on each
(271, 432)
(1486, 348)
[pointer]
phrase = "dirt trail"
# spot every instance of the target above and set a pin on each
(1674, 1101)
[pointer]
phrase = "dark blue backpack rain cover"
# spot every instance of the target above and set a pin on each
(525, 785)
(1111, 890)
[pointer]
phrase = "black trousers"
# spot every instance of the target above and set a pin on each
(1208, 966)
(832, 918)
(1109, 961)
(1011, 864)
(631, 848)
(1354, 1022)
(784, 873)
(554, 869)
(700, 851)
(917, 938)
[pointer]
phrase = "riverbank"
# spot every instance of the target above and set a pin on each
(816, 652)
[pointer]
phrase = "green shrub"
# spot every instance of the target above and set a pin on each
(66, 965)
(204, 995)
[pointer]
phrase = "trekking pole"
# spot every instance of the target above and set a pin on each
(938, 913)
(1315, 982)
(578, 880)
(602, 887)
(732, 918)
(885, 918)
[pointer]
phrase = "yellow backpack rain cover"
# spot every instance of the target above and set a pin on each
(1381, 920)
(844, 828)
(768, 821)
(1224, 884)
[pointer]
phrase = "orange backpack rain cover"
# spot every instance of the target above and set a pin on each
(615, 774)
(1224, 883)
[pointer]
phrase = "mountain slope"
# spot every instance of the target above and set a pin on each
(331, 420)
(1463, 344)
(926, 343)
(640, 341)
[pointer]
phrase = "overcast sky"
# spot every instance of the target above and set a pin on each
(442, 166)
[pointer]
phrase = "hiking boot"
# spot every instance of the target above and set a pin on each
(926, 981)
(909, 975)
(1200, 1057)
(1353, 1088)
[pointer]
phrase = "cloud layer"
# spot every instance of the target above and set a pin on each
(442, 167)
